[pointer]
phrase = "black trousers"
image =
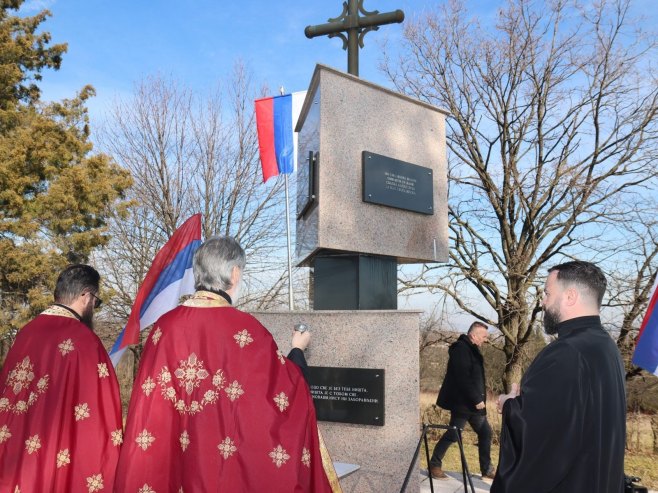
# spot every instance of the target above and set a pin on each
(480, 426)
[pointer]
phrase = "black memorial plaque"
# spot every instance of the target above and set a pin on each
(348, 395)
(395, 183)
(307, 182)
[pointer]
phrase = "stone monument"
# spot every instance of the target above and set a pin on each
(371, 190)
(371, 194)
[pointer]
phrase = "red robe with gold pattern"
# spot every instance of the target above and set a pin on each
(60, 411)
(216, 407)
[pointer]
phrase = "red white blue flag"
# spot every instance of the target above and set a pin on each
(646, 351)
(169, 278)
(276, 118)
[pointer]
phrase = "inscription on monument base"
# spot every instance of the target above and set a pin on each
(348, 395)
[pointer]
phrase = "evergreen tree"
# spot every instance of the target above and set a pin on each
(55, 194)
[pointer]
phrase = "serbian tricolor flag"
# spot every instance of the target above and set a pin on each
(646, 351)
(169, 278)
(276, 118)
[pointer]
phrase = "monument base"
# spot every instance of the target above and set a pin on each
(385, 340)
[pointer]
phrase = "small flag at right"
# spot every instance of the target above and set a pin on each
(646, 351)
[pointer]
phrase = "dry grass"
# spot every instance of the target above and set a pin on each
(639, 461)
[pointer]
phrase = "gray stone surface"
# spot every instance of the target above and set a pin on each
(366, 339)
(341, 117)
(454, 483)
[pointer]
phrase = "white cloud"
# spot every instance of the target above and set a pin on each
(33, 6)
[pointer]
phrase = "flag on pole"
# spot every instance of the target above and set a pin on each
(169, 278)
(646, 350)
(276, 118)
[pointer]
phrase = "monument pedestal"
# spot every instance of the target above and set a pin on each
(368, 339)
(344, 281)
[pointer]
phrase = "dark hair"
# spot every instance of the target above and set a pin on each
(585, 274)
(477, 324)
(74, 281)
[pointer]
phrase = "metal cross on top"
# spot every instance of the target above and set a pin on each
(356, 27)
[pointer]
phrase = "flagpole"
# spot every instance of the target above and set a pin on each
(291, 302)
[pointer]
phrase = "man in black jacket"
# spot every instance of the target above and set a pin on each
(463, 394)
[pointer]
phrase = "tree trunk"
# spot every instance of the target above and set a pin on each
(5, 346)
(137, 354)
(513, 371)
(514, 321)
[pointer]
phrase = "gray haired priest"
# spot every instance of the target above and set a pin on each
(216, 406)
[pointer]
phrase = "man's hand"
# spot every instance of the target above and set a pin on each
(301, 340)
(480, 405)
(503, 397)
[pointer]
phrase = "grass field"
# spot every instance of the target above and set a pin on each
(639, 460)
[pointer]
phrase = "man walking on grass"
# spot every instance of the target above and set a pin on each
(463, 394)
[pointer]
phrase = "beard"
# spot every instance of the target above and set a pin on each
(551, 321)
(87, 316)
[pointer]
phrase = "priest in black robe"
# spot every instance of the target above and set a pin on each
(565, 431)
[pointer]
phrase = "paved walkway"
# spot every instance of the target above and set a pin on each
(454, 484)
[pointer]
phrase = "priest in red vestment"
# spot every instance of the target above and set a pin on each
(216, 407)
(60, 411)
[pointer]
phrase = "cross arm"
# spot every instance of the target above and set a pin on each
(351, 22)
(394, 17)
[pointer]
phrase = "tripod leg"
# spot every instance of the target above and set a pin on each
(413, 461)
(465, 472)
(427, 456)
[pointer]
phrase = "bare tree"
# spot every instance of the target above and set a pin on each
(189, 153)
(552, 130)
(630, 284)
(125, 260)
(435, 330)
(149, 135)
